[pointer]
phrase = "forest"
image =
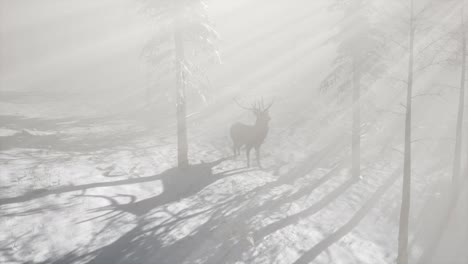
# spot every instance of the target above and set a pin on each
(246, 131)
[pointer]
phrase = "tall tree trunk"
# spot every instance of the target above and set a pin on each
(182, 144)
(406, 188)
(461, 107)
(356, 133)
(457, 166)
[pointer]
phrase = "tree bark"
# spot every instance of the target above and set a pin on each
(457, 166)
(406, 188)
(182, 142)
(356, 132)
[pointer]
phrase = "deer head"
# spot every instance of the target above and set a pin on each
(259, 110)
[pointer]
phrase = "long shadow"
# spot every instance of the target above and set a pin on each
(200, 175)
(330, 197)
(433, 202)
(245, 238)
(303, 169)
(124, 249)
(235, 228)
(145, 244)
(441, 224)
(308, 165)
(141, 244)
(177, 183)
(60, 190)
(314, 252)
(252, 208)
(32, 211)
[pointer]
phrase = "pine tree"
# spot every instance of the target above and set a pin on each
(358, 45)
(185, 32)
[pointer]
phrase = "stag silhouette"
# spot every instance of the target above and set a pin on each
(251, 136)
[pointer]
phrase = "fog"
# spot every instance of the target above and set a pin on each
(189, 131)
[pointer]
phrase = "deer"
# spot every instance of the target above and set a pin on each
(251, 136)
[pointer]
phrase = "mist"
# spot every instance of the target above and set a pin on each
(192, 131)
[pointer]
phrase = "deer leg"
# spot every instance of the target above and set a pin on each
(257, 154)
(247, 151)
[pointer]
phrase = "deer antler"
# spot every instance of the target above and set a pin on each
(257, 106)
(253, 108)
(268, 107)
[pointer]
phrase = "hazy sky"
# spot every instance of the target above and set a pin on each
(69, 45)
(93, 47)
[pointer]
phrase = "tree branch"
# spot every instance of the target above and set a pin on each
(427, 94)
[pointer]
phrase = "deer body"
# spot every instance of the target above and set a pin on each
(251, 136)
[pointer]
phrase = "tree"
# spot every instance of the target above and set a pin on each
(457, 166)
(184, 33)
(406, 188)
(414, 26)
(358, 45)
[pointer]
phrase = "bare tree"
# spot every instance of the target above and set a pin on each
(416, 24)
(406, 189)
(457, 166)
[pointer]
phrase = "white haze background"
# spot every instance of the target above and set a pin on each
(88, 142)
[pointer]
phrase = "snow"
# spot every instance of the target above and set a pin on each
(127, 204)
(84, 182)
(108, 192)
(5, 132)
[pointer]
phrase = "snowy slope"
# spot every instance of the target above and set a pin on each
(125, 203)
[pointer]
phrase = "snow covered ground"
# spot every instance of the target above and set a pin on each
(106, 191)
(87, 176)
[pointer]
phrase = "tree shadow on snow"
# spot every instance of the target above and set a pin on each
(227, 232)
(320, 247)
(144, 242)
(177, 184)
(228, 225)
